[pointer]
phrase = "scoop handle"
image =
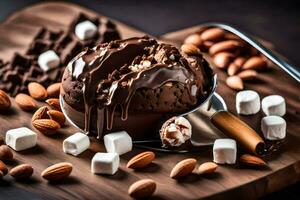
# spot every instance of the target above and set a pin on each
(236, 129)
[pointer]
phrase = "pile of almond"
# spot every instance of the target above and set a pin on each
(46, 120)
(228, 52)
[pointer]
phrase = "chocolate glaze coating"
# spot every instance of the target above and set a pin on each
(133, 76)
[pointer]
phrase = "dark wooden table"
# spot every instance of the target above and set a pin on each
(176, 19)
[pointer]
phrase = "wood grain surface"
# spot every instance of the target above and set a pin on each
(229, 181)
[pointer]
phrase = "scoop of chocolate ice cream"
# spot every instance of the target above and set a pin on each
(133, 76)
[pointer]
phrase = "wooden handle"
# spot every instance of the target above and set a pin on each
(236, 129)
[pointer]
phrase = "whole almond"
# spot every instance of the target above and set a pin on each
(46, 126)
(3, 168)
(228, 45)
(53, 90)
(194, 39)
(235, 82)
(5, 153)
(57, 116)
(222, 59)
(236, 65)
(239, 61)
(232, 69)
(190, 49)
(247, 74)
(21, 172)
(252, 161)
(37, 91)
(255, 63)
(142, 189)
(207, 44)
(183, 168)
(57, 172)
(54, 103)
(141, 160)
(207, 168)
(40, 113)
(231, 36)
(4, 101)
(25, 102)
(213, 34)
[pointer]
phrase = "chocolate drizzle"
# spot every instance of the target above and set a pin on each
(113, 72)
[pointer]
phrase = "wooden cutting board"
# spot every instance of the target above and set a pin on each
(230, 181)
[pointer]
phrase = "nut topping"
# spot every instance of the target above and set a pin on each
(175, 132)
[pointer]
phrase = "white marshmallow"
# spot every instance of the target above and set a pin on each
(105, 163)
(20, 138)
(273, 105)
(273, 127)
(85, 30)
(76, 144)
(48, 60)
(118, 142)
(247, 102)
(224, 151)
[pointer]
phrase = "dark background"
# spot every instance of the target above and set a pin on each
(275, 21)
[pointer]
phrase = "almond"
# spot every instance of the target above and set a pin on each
(57, 172)
(4, 101)
(235, 82)
(57, 116)
(3, 168)
(142, 189)
(247, 74)
(255, 63)
(239, 61)
(54, 103)
(41, 113)
(53, 90)
(207, 44)
(46, 126)
(37, 91)
(25, 102)
(190, 49)
(232, 69)
(228, 45)
(222, 59)
(183, 168)
(207, 168)
(213, 34)
(231, 36)
(194, 39)
(5, 153)
(141, 160)
(252, 161)
(21, 172)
